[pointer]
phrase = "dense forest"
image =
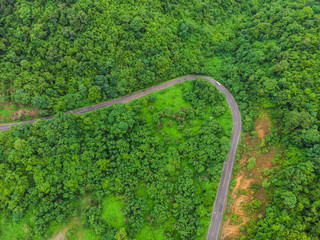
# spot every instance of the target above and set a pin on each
(60, 55)
(151, 166)
(57, 56)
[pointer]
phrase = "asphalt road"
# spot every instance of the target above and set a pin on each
(221, 197)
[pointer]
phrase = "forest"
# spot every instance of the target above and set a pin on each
(61, 55)
(137, 170)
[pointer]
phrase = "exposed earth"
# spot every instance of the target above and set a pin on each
(242, 193)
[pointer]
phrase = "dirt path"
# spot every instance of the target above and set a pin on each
(61, 235)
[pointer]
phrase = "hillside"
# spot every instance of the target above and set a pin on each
(151, 166)
(57, 56)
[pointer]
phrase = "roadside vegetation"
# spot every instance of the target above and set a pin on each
(61, 55)
(11, 112)
(249, 194)
(271, 63)
(148, 169)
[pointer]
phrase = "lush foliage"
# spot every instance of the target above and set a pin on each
(149, 166)
(272, 60)
(59, 55)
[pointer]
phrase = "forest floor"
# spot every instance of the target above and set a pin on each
(248, 182)
(10, 112)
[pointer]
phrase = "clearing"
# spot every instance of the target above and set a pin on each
(10, 112)
(248, 199)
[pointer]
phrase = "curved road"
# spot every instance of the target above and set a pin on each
(221, 197)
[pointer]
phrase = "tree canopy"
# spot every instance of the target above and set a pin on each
(158, 160)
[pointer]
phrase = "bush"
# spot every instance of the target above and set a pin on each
(251, 163)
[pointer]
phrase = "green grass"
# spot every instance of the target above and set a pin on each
(140, 192)
(112, 212)
(15, 230)
(173, 98)
(167, 98)
(226, 120)
(5, 111)
(12, 230)
(88, 234)
(149, 233)
(21, 229)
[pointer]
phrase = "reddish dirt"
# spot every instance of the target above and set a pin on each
(231, 230)
(245, 178)
(262, 126)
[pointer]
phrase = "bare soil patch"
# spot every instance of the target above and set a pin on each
(7, 105)
(242, 192)
(61, 235)
(262, 125)
(11, 111)
(24, 113)
(231, 230)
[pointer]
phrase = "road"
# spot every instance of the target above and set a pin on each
(221, 197)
